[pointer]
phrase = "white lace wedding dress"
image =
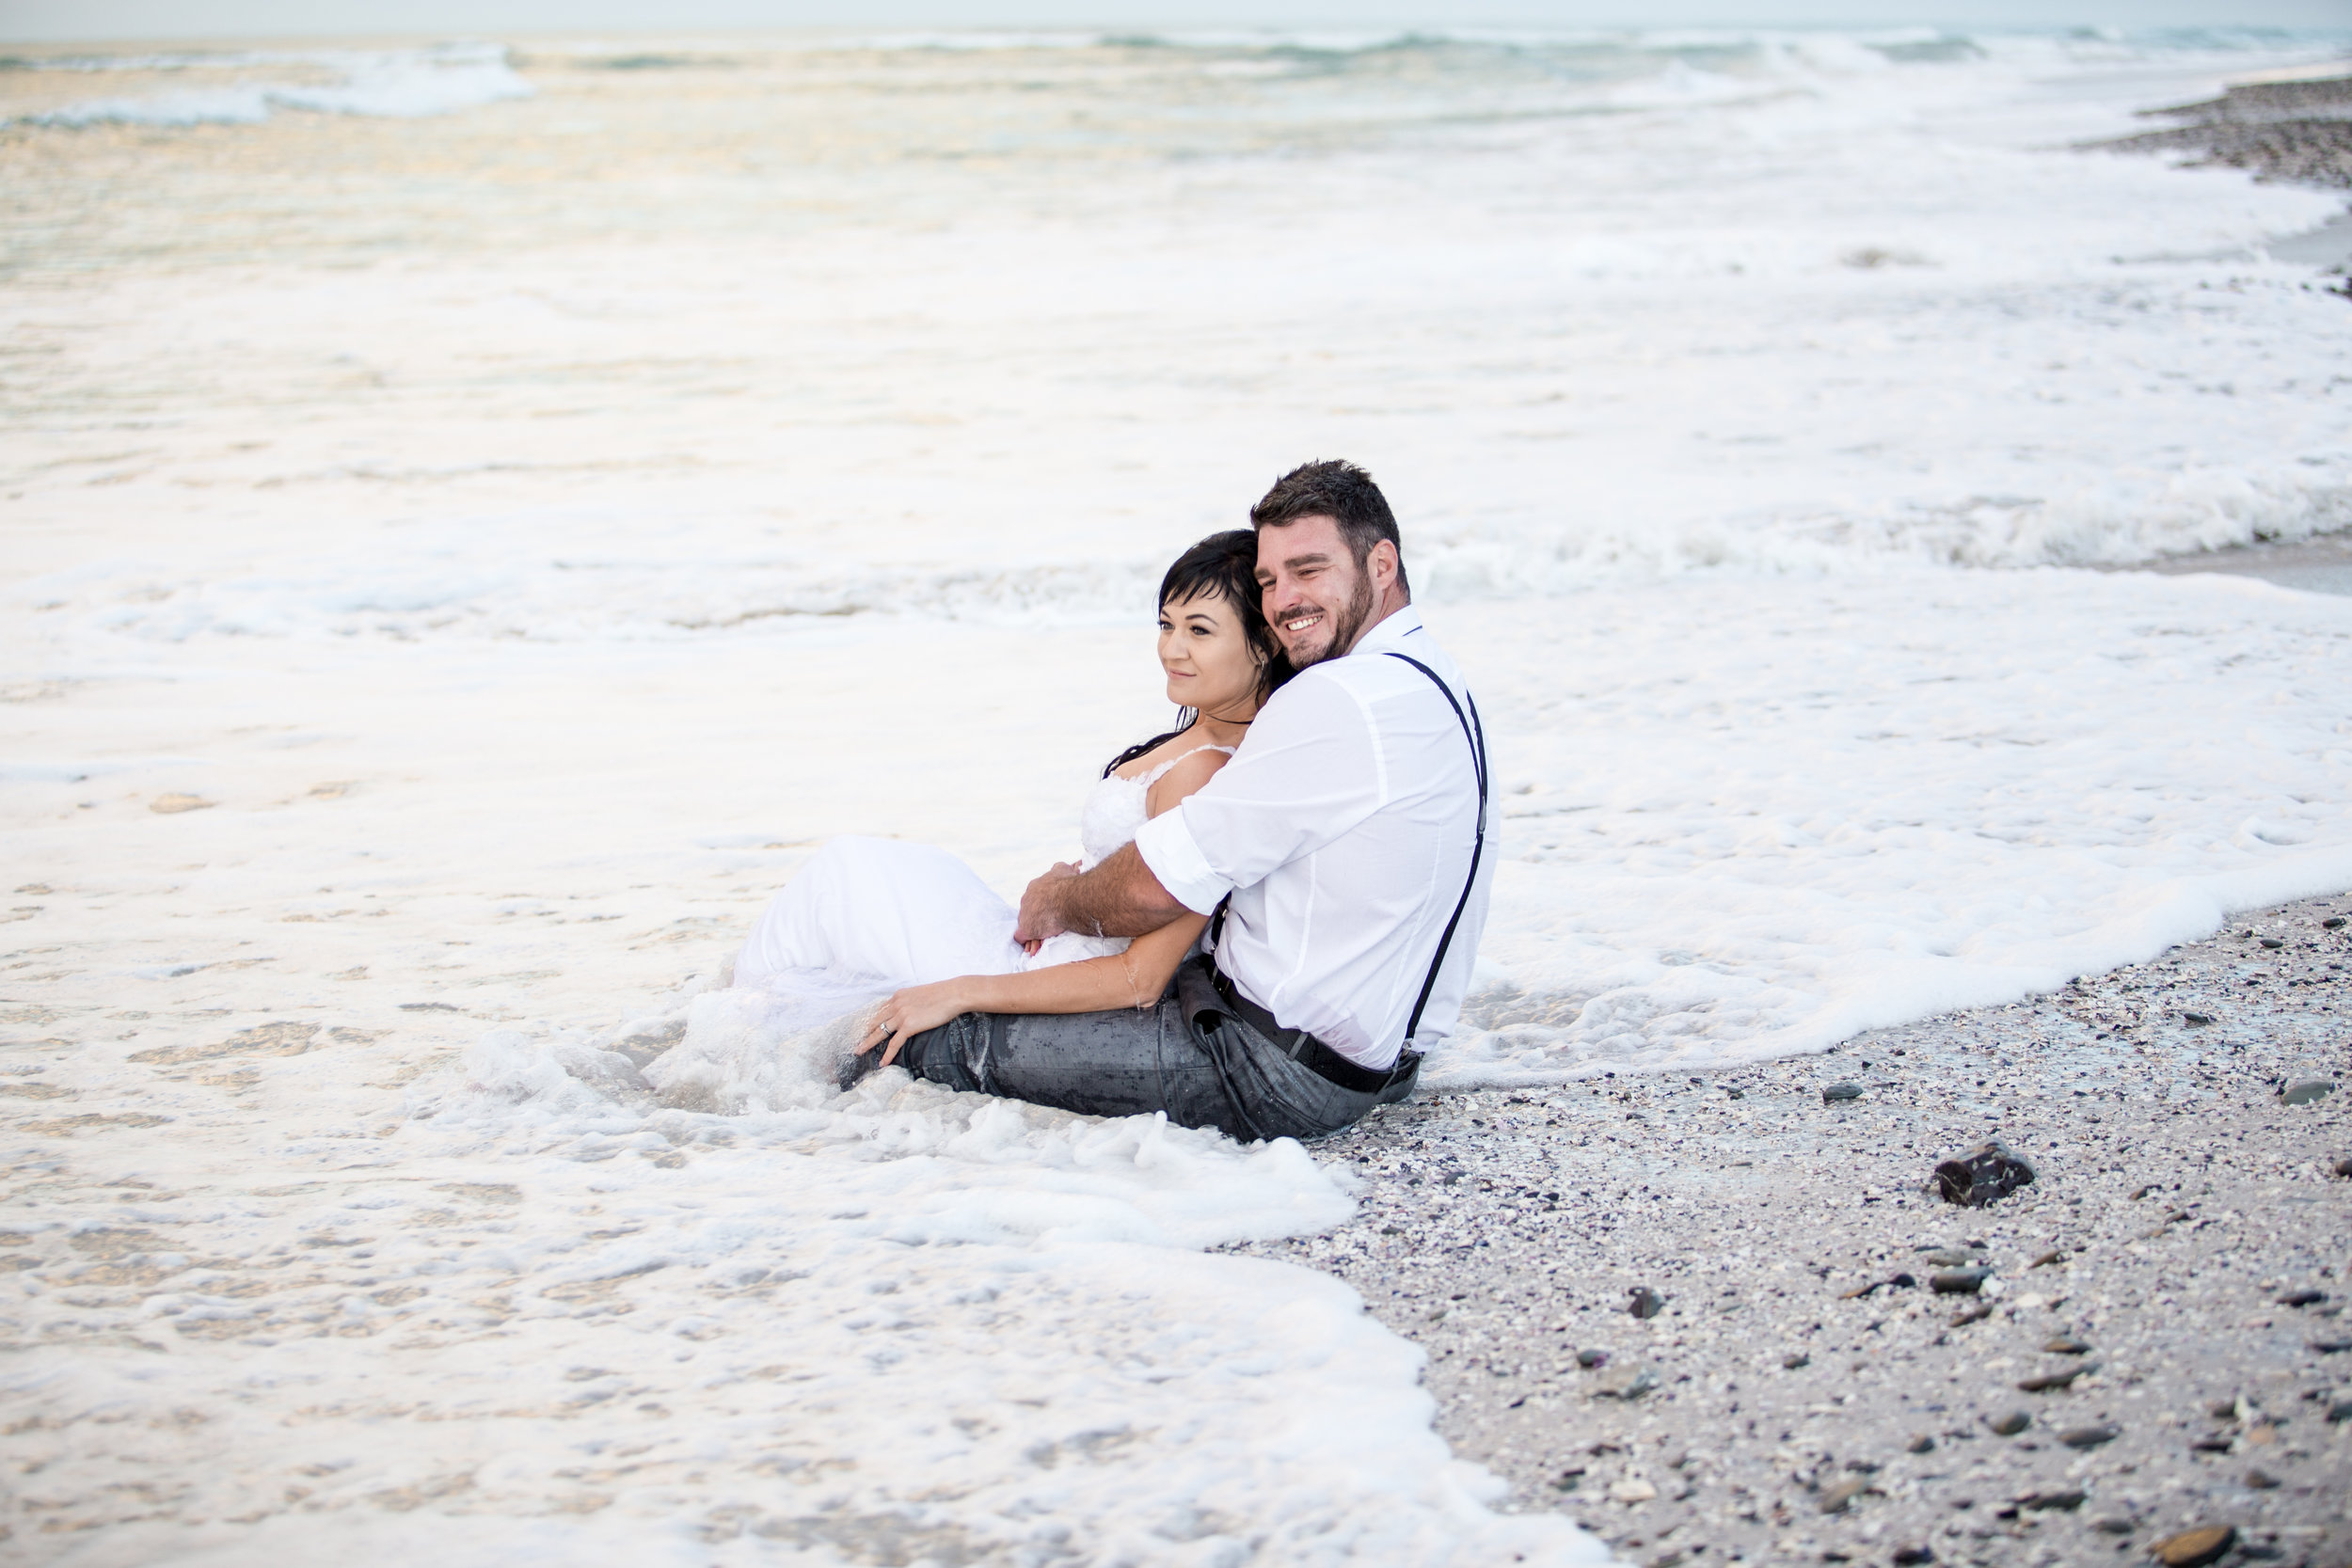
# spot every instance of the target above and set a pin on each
(867, 915)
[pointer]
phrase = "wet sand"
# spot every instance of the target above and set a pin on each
(1804, 1391)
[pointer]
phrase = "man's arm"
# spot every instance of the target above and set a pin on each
(1118, 899)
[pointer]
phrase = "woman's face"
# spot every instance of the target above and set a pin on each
(1206, 653)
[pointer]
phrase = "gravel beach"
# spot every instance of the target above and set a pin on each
(1840, 1366)
(2297, 128)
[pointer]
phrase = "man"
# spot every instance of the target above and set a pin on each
(1341, 855)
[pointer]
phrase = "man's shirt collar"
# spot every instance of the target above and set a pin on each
(1388, 634)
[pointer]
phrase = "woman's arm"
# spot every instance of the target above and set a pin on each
(1136, 978)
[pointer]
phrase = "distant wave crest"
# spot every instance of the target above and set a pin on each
(403, 83)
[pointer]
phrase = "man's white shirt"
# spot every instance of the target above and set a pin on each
(1342, 830)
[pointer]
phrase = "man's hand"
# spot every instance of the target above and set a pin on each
(1118, 899)
(1040, 907)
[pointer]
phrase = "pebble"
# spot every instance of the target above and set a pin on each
(1909, 1557)
(2044, 1383)
(2197, 1021)
(2302, 1298)
(1633, 1491)
(2064, 1346)
(1953, 1258)
(1841, 1091)
(1984, 1174)
(1647, 1302)
(2340, 1411)
(2012, 1424)
(2089, 1437)
(2261, 1480)
(2113, 1526)
(2194, 1549)
(1790, 1363)
(2344, 1167)
(1837, 1498)
(1959, 1282)
(2045, 1502)
(1922, 1443)
(1588, 1359)
(2306, 1091)
(1630, 1384)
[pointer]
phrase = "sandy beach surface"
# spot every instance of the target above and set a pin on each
(1841, 1365)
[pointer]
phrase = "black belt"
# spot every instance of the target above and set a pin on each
(1303, 1048)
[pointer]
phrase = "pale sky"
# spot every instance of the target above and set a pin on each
(64, 19)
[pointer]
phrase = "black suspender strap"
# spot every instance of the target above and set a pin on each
(1474, 732)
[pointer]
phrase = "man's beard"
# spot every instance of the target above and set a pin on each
(1345, 624)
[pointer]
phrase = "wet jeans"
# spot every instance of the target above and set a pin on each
(1187, 1055)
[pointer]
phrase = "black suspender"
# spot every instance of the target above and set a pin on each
(1477, 739)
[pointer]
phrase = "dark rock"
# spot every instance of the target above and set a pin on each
(2211, 1445)
(1983, 1175)
(2112, 1525)
(1911, 1557)
(2340, 1411)
(1588, 1359)
(1841, 1091)
(2197, 1021)
(2222, 1410)
(2090, 1437)
(1973, 1315)
(2043, 1502)
(2331, 1346)
(1647, 1302)
(2064, 1346)
(2333, 923)
(2344, 1167)
(2305, 1092)
(2274, 943)
(2049, 1382)
(2011, 1424)
(1903, 1282)
(1922, 1443)
(2302, 1298)
(1959, 1282)
(2261, 1480)
(2194, 1549)
(1790, 1363)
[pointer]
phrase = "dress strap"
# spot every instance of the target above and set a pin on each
(1145, 780)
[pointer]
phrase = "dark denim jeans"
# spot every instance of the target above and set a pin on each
(1186, 1056)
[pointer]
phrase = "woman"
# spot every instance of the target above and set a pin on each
(866, 914)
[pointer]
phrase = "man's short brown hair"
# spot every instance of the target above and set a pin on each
(1346, 494)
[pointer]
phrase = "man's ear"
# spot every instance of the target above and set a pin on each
(1382, 563)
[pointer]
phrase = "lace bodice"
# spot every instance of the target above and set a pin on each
(1114, 811)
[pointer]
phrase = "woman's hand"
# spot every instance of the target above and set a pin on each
(911, 1011)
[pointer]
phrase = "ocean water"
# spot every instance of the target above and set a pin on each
(517, 484)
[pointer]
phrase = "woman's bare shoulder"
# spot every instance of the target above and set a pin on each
(1187, 774)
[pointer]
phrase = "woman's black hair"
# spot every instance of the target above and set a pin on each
(1226, 565)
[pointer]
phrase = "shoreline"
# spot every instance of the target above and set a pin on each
(2319, 564)
(1787, 1402)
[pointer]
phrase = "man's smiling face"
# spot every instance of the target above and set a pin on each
(1316, 596)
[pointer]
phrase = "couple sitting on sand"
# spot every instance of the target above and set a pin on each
(1281, 899)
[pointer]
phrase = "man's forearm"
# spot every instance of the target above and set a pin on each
(1118, 899)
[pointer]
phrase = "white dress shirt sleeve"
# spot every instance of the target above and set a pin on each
(1310, 771)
